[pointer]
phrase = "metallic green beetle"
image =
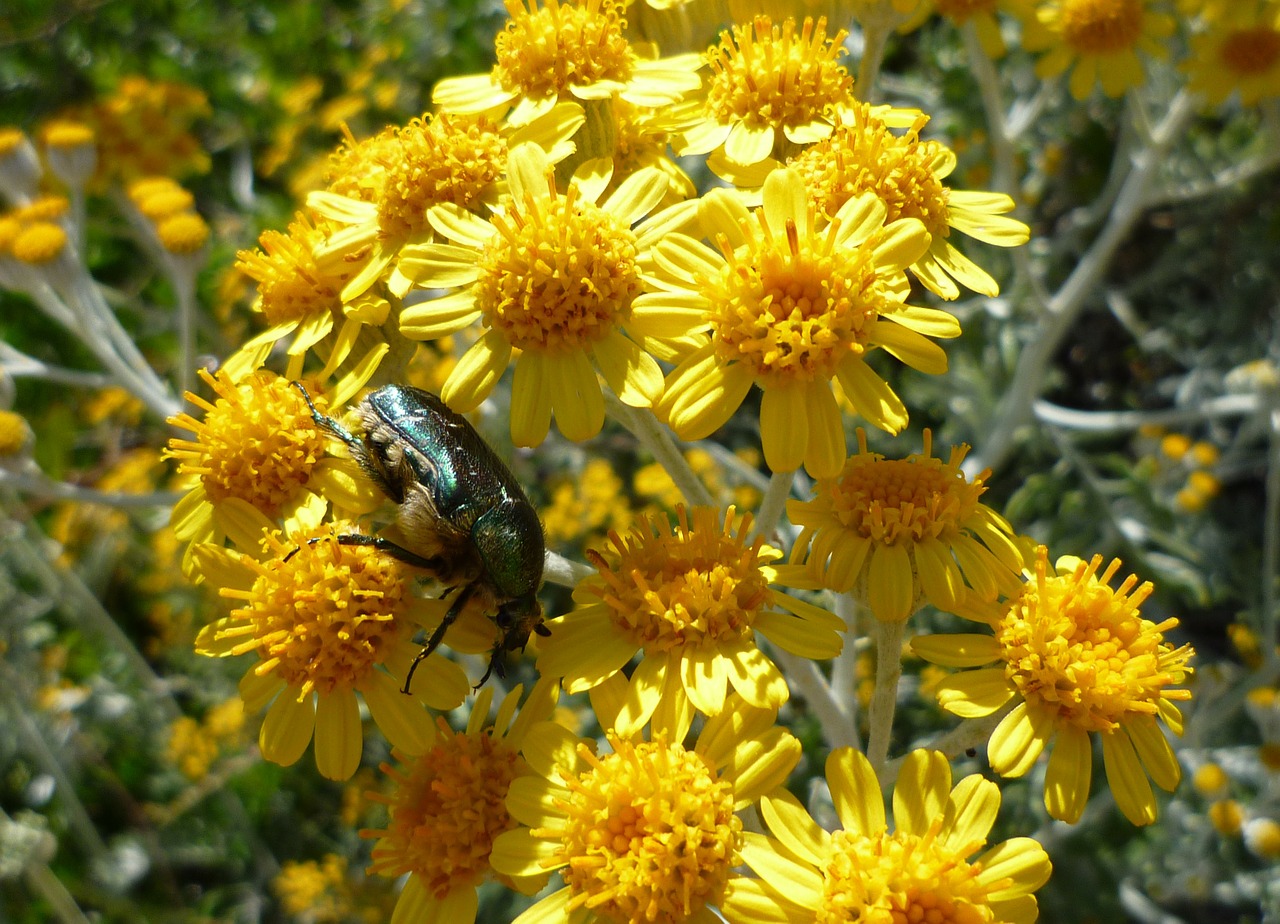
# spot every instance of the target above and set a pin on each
(461, 514)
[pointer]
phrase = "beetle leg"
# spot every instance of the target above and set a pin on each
(385, 546)
(328, 423)
(438, 635)
(495, 663)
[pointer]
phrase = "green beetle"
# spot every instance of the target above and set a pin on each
(461, 514)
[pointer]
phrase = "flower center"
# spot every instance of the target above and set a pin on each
(888, 500)
(793, 308)
(901, 878)
(442, 159)
(290, 284)
(766, 75)
(864, 156)
(701, 587)
(1076, 646)
(322, 615)
(961, 10)
(559, 275)
(449, 805)
(1251, 51)
(650, 833)
(1101, 27)
(549, 51)
(258, 442)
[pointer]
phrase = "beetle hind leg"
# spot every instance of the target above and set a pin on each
(437, 636)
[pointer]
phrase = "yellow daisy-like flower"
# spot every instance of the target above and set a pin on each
(771, 90)
(553, 275)
(863, 155)
(448, 806)
(326, 621)
(1075, 657)
(982, 13)
(647, 832)
(144, 129)
(692, 600)
(562, 52)
(296, 296)
(259, 448)
(1237, 54)
(791, 307)
(433, 159)
(925, 870)
(904, 532)
(1099, 41)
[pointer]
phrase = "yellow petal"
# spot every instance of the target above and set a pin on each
(855, 792)
(748, 144)
(975, 694)
(825, 454)
(551, 751)
(469, 93)
(1128, 782)
(584, 648)
(790, 823)
(531, 800)
(891, 586)
(576, 399)
(1019, 739)
(648, 682)
(530, 399)
(633, 375)
(797, 636)
(1154, 751)
(960, 650)
(400, 718)
(872, 396)
(914, 350)
(518, 853)
(785, 201)
(286, 730)
(705, 675)
(971, 811)
(920, 794)
(339, 734)
(756, 678)
(784, 427)
(800, 882)
(674, 713)
(1020, 860)
(476, 373)
(1067, 778)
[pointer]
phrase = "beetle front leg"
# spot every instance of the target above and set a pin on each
(438, 635)
(329, 424)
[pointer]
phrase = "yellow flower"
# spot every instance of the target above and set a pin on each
(903, 532)
(862, 155)
(563, 52)
(326, 621)
(1098, 40)
(771, 91)
(315, 891)
(257, 446)
(647, 832)
(144, 129)
(692, 600)
(1240, 53)
(791, 307)
(433, 159)
(554, 276)
(924, 870)
(15, 434)
(449, 804)
(1074, 656)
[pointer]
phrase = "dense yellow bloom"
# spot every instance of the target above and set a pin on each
(925, 870)
(1240, 53)
(692, 600)
(258, 446)
(144, 129)
(1074, 656)
(648, 831)
(903, 532)
(433, 159)
(326, 621)
(791, 307)
(449, 805)
(863, 155)
(554, 275)
(315, 891)
(1099, 41)
(565, 51)
(770, 91)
